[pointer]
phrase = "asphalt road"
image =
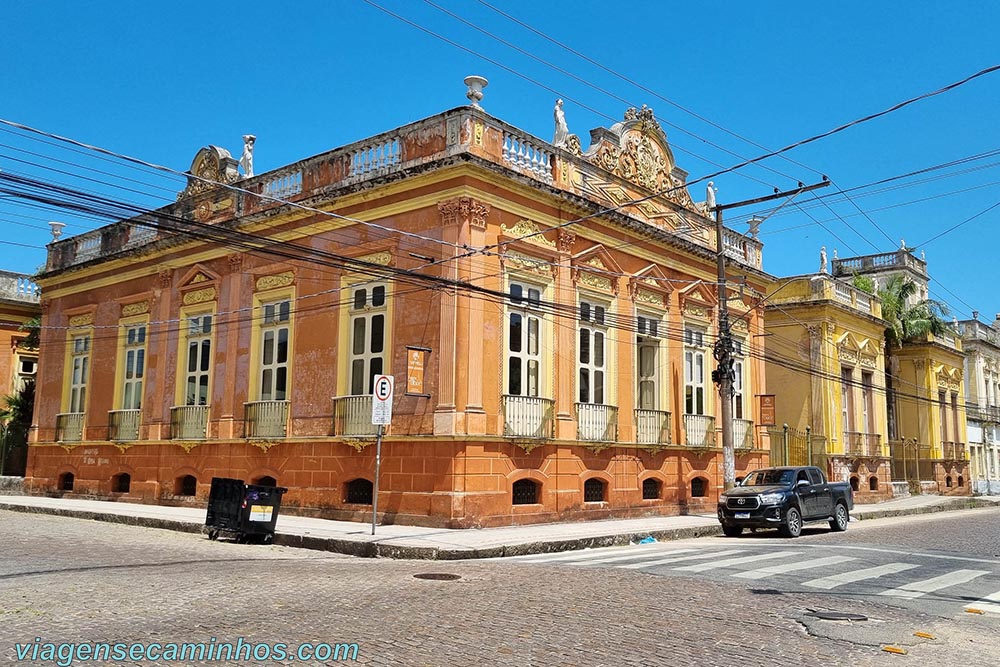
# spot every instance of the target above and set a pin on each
(71, 581)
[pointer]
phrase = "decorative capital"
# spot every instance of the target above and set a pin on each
(566, 240)
(463, 210)
(166, 278)
(235, 262)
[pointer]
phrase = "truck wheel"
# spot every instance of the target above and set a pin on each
(793, 523)
(732, 531)
(840, 519)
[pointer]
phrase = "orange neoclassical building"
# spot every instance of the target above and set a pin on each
(551, 343)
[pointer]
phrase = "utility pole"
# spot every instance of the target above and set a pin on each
(723, 351)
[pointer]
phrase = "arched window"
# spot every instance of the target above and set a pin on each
(186, 485)
(855, 483)
(266, 480)
(66, 481)
(947, 481)
(961, 481)
(359, 492)
(699, 487)
(593, 490)
(651, 489)
(121, 482)
(524, 492)
(873, 483)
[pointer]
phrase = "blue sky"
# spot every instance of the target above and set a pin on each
(160, 82)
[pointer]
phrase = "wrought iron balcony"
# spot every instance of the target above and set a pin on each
(527, 417)
(188, 422)
(596, 423)
(69, 427)
(123, 425)
(862, 444)
(699, 431)
(352, 416)
(742, 435)
(265, 419)
(652, 427)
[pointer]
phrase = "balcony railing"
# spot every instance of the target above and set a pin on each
(188, 422)
(699, 431)
(985, 413)
(352, 415)
(742, 435)
(265, 419)
(123, 425)
(527, 417)
(596, 423)
(527, 155)
(862, 444)
(953, 451)
(18, 287)
(652, 427)
(69, 427)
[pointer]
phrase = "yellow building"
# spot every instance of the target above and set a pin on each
(825, 364)
(928, 434)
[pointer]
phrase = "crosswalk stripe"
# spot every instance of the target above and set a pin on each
(987, 603)
(629, 556)
(916, 589)
(858, 575)
(792, 567)
(586, 553)
(677, 559)
(729, 562)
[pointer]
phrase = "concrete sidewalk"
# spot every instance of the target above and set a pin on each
(450, 544)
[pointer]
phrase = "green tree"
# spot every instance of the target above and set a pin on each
(33, 327)
(15, 420)
(905, 323)
(863, 283)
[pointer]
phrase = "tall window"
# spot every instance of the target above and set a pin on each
(590, 353)
(199, 360)
(868, 401)
(954, 417)
(648, 346)
(694, 371)
(847, 399)
(943, 414)
(274, 351)
(80, 361)
(737, 379)
(368, 313)
(524, 332)
(135, 366)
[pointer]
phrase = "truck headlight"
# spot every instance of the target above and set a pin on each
(771, 498)
(723, 498)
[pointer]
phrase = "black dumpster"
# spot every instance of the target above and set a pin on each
(246, 512)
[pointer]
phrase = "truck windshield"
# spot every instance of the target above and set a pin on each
(770, 478)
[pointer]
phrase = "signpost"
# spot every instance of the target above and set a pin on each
(381, 415)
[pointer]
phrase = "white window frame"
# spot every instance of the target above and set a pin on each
(695, 394)
(275, 324)
(647, 339)
(369, 312)
(592, 351)
(523, 343)
(198, 352)
(739, 380)
(133, 365)
(79, 372)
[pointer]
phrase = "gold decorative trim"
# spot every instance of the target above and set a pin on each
(187, 446)
(357, 443)
(122, 446)
(198, 278)
(597, 447)
(598, 282)
(140, 308)
(696, 310)
(81, 320)
(263, 445)
(652, 298)
(199, 296)
(528, 231)
(596, 263)
(278, 280)
(478, 133)
(68, 448)
(381, 258)
(528, 445)
(526, 263)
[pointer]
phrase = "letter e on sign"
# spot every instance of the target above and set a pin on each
(382, 399)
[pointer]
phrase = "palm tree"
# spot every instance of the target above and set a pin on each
(15, 420)
(906, 323)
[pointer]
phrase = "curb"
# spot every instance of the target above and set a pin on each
(376, 549)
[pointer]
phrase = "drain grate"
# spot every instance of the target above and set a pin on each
(437, 576)
(838, 616)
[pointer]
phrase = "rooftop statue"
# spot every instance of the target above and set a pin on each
(562, 130)
(246, 161)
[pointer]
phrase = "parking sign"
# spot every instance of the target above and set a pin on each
(382, 399)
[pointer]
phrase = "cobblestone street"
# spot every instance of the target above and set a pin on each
(70, 580)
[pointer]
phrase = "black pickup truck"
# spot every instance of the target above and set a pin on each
(785, 498)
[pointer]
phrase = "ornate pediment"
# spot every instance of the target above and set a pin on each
(211, 167)
(595, 267)
(527, 231)
(698, 300)
(651, 286)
